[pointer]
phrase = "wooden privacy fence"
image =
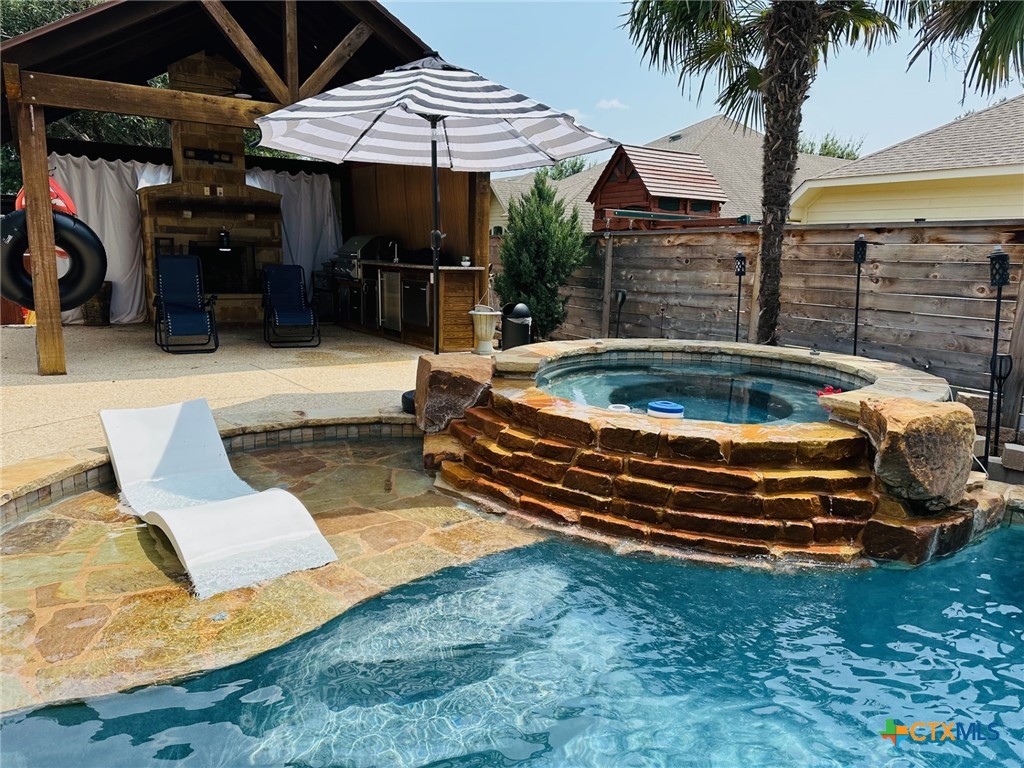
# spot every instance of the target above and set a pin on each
(926, 301)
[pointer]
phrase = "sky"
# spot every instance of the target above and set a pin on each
(574, 57)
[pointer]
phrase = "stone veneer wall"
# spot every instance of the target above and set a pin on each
(19, 502)
(795, 491)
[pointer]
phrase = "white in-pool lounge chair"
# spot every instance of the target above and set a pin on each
(174, 473)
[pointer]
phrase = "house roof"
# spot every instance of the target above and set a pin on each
(668, 173)
(733, 154)
(510, 187)
(572, 190)
(989, 137)
(133, 42)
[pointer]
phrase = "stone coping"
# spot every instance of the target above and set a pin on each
(35, 483)
(879, 379)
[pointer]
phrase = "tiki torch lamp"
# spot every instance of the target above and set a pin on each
(860, 255)
(741, 270)
(999, 265)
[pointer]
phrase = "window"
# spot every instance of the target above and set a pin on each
(496, 231)
(701, 206)
(668, 203)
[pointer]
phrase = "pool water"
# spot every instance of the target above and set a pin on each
(560, 654)
(727, 393)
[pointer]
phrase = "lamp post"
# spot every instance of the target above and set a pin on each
(999, 266)
(741, 270)
(860, 255)
(1004, 364)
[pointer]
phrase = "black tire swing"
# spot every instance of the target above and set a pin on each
(87, 257)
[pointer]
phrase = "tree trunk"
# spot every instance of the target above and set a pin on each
(791, 29)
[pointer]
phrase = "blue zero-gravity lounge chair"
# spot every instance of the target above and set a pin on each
(289, 319)
(183, 320)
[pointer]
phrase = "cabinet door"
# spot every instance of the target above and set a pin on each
(391, 301)
(416, 303)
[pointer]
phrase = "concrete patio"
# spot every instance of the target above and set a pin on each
(120, 367)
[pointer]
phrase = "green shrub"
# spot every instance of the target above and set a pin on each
(539, 252)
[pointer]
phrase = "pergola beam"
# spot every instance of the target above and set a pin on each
(247, 49)
(31, 124)
(105, 96)
(335, 60)
(291, 49)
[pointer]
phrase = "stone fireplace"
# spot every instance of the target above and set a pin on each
(208, 195)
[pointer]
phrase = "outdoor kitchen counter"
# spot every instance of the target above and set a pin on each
(407, 265)
(458, 290)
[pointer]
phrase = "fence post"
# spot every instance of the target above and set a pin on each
(755, 291)
(1015, 384)
(606, 292)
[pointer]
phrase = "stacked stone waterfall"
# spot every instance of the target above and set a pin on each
(891, 484)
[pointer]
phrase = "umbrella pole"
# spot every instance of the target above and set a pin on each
(435, 236)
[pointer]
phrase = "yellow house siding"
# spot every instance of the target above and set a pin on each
(985, 197)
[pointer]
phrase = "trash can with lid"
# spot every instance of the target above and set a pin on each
(515, 325)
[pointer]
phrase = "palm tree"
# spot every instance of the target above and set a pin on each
(763, 56)
(996, 28)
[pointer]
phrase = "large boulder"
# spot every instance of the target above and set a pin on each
(924, 450)
(446, 385)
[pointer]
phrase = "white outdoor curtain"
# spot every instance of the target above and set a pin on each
(310, 232)
(104, 193)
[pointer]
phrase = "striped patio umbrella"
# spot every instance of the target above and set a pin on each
(429, 112)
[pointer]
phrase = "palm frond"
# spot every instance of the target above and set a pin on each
(998, 26)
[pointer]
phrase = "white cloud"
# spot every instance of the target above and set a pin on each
(611, 104)
(577, 113)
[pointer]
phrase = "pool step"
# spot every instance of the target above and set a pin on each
(821, 539)
(484, 421)
(799, 512)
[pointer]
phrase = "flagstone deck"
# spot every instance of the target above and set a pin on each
(93, 603)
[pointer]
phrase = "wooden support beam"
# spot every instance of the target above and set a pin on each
(479, 218)
(291, 49)
(606, 291)
(247, 49)
(370, 14)
(755, 291)
(335, 60)
(12, 87)
(1013, 390)
(39, 219)
(103, 96)
(12, 81)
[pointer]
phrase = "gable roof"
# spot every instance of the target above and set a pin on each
(572, 190)
(734, 156)
(508, 188)
(133, 42)
(666, 173)
(992, 136)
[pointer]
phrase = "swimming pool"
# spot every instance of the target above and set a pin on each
(563, 655)
(731, 393)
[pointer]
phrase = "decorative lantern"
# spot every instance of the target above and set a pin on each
(999, 263)
(741, 265)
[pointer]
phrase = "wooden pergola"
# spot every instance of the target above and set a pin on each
(101, 60)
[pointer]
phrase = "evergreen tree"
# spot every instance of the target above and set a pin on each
(539, 252)
(563, 169)
(832, 145)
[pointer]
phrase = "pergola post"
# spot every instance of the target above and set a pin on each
(31, 128)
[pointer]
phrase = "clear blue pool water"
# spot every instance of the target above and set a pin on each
(564, 655)
(728, 393)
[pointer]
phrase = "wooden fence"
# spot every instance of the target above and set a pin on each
(926, 301)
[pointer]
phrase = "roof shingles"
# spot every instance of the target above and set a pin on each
(993, 136)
